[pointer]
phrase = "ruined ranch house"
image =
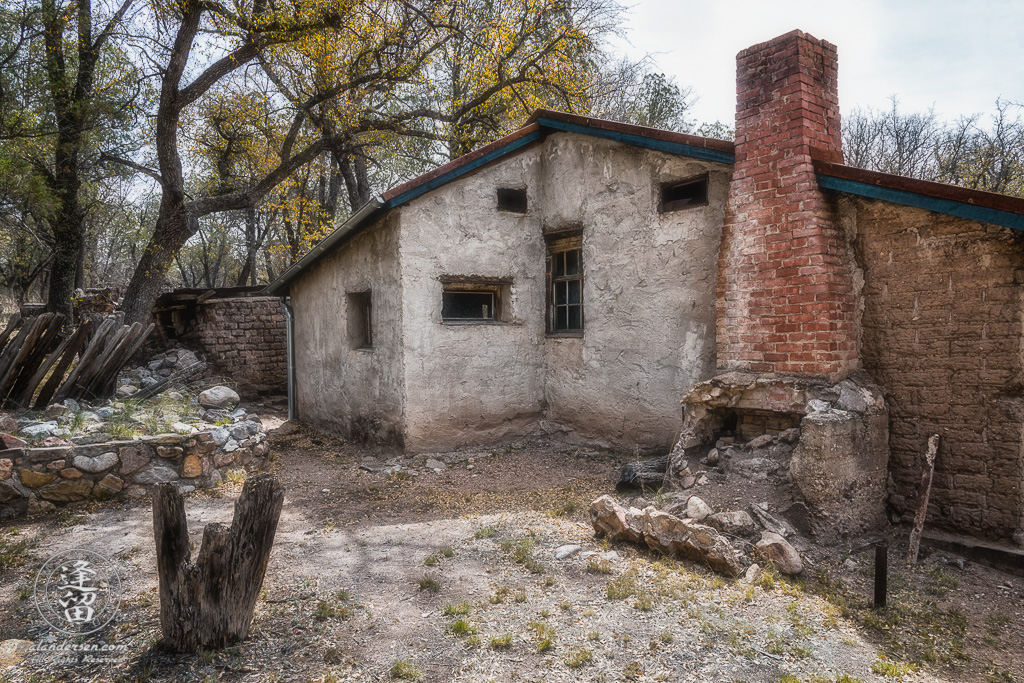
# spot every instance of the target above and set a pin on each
(580, 277)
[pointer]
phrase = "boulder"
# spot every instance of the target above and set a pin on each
(759, 442)
(736, 523)
(169, 451)
(13, 651)
(34, 480)
(753, 574)
(697, 509)
(155, 475)
(778, 550)
(192, 467)
(8, 441)
(220, 436)
(223, 459)
(40, 429)
(96, 464)
(8, 492)
(70, 473)
(665, 533)
(6, 467)
(108, 486)
(68, 490)
(133, 458)
(126, 390)
(39, 507)
(55, 410)
(566, 551)
(8, 424)
(185, 359)
(770, 522)
(218, 397)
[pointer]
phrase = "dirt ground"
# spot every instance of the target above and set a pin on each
(452, 576)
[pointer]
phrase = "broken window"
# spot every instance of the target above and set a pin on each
(360, 320)
(684, 194)
(512, 200)
(472, 299)
(565, 284)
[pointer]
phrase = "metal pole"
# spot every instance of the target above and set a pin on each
(290, 326)
(881, 573)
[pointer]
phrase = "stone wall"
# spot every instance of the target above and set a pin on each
(245, 340)
(942, 333)
(36, 480)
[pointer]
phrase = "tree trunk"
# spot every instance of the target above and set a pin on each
(209, 604)
(170, 234)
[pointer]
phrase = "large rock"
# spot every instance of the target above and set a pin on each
(667, 534)
(68, 490)
(156, 475)
(736, 523)
(697, 509)
(97, 464)
(8, 492)
(8, 424)
(40, 429)
(133, 458)
(192, 467)
(218, 397)
(34, 480)
(9, 441)
(778, 550)
(6, 467)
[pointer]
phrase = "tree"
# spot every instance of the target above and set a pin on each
(355, 76)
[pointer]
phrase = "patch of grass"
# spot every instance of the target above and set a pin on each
(633, 671)
(888, 667)
(457, 609)
(405, 670)
(501, 642)
(343, 595)
(787, 678)
(485, 532)
(578, 658)
(325, 611)
(500, 595)
(594, 635)
(430, 561)
(520, 596)
(14, 551)
(644, 602)
(994, 673)
(429, 583)
(545, 635)
(595, 566)
(460, 628)
(996, 623)
(666, 637)
(563, 510)
(940, 581)
(623, 587)
(522, 554)
(447, 551)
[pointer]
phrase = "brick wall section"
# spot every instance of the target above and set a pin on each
(785, 301)
(942, 333)
(246, 341)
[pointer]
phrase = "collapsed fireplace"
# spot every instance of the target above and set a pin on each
(829, 441)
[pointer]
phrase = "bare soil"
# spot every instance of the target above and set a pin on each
(452, 576)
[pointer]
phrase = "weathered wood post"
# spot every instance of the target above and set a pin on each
(209, 604)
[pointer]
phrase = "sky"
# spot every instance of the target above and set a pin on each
(957, 56)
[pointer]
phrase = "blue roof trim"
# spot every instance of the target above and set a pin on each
(641, 141)
(440, 180)
(950, 207)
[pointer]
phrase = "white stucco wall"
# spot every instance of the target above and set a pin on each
(648, 289)
(475, 383)
(359, 393)
(649, 296)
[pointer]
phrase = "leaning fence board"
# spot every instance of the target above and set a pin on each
(923, 492)
(77, 341)
(48, 340)
(90, 352)
(24, 350)
(67, 348)
(108, 386)
(12, 324)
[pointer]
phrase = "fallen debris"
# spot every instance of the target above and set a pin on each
(643, 474)
(666, 533)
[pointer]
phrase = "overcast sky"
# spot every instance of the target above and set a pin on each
(958, 55)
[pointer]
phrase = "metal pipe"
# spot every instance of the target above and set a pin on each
(881, 574)
(290, 327)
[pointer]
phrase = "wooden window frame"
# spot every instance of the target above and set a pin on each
(498, 288)
(682, 205)
(559, 245)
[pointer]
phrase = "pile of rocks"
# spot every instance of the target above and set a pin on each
(48, 463)
(162, 365)
(687, 527)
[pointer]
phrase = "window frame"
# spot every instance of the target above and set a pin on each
(559, 245)
(678, 205)
(359, 320)
(498, 288)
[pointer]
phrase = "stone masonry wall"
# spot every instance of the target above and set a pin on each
(36, 480)
(785, 295)
(245, 340)
(942, 333)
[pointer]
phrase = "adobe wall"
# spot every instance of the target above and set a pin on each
(648, 289)
(245, 340)
(353, 391)
(942, 334)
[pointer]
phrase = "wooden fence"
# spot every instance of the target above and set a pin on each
(39, 358)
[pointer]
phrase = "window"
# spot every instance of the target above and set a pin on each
(473, 299)
(360, 321)
(512, 200)
(684, 194)
(565, 285)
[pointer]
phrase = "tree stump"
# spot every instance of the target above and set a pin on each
(209, 604)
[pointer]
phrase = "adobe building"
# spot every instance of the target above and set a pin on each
(581, 277)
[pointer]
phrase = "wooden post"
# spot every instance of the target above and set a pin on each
(209, 604)
(923, 492)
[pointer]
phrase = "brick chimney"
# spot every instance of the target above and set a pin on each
(785, 295)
